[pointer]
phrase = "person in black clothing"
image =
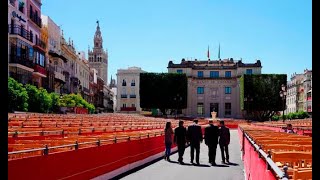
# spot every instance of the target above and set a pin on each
(211, 135)
(194, 135)
(224, 140)
(180, 134)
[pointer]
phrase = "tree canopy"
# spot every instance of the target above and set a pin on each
(17, 96)
(163, 90)
(260, 94)
(33, 99)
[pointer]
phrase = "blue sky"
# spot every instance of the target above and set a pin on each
(149, 33)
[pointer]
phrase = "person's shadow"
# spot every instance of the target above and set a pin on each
(184, 164)
(233, 164)
(220, 165)
(201, 165)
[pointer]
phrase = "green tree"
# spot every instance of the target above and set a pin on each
(55, 102)
(259, 94)
(45, 100)
(160, 90)
(17, 96)
(33, 102)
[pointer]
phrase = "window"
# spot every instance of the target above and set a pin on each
(200, 73)
(214, 74)
(228, 74)
(21, 6)
(249, 71)
(124, 105)
(133, 93)
(227, 108)
(133, 105)
(31, 12)
(179, 71)
(124, 83)
(200, 109)
(12, 2)
(200, 90)
(133, 82)
(227, 90)
(123, 93)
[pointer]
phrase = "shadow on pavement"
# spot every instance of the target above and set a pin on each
(233, 164)
(201, 165)
(220, 165)
(185, 164)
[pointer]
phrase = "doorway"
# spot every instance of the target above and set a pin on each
(214, 107)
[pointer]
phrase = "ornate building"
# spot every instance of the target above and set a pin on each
(214, 85)
(98, 58)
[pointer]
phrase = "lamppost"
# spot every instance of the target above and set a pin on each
(178, 98)
(283, 94)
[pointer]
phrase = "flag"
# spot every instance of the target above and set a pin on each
(208, 53)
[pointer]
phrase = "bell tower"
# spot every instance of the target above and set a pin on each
(98, 58)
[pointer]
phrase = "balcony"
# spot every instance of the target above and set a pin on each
(128, 109)
(59, 76)
(132, 96)
(17, 30)
(40, 70)
(36, 19)
(50, 68)
(20, 60)
(124, 95)
(40, 44)
(85, 89)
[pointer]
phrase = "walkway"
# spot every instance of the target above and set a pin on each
(163, 170)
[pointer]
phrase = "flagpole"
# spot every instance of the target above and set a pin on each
(219, 52)
(208, 53)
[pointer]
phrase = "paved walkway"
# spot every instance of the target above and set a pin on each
(163, 170)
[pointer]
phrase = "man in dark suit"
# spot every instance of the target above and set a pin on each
(180, 135)
(211, 134)
(194, 135)
(224, 140)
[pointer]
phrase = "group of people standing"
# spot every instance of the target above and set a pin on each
(192, 135)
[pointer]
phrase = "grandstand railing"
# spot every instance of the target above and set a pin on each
(97, 142)
(270, 164)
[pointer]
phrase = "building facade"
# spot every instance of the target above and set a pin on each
(98, 58)
(113, 88)
(84, 76)
(56, 60)
(26, 49)
(128, 98)
(299, 93)
(214, 85)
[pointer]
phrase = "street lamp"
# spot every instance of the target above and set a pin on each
(178, 98)
(283, 94)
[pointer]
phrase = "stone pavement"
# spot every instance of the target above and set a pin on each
(164, 170)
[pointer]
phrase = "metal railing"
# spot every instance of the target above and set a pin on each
(18, 30)
(283, 175)
(20, 60)
(76, 145)
(35, 18)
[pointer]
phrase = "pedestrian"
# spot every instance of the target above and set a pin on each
(180, 135)
(168, 134)
(289, 129)
(224, 141)
(211, 134)
(194, 135)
